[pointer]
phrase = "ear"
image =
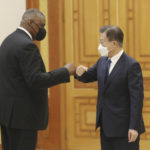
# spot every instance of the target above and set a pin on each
(115, 43)
(30, 22)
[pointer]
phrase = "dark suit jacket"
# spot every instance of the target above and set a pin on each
(120, 99)
(24, 83)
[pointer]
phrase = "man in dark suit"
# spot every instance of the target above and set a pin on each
(120, 92)
(24, 84)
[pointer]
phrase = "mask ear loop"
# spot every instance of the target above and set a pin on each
(31, 22)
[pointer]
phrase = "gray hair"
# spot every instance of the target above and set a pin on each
(30, 13)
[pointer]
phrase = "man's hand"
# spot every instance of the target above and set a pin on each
(71, 68)
(80, 70)
(132, 135)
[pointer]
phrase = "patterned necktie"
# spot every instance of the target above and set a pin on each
(107, 69)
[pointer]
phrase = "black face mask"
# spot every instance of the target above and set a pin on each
(41, 34)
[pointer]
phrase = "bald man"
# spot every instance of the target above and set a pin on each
(24, 83)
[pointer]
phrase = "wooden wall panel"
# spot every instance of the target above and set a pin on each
(82, 23)
(142, 52)
(84, 117)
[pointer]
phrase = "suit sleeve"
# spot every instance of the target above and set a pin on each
(30, 63)
(135, 85)
(88, 76)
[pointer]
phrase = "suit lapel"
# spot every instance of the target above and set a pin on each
(116, 70)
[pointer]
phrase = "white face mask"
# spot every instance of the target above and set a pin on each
(103, 50)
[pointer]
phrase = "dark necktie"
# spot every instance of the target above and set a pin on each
(107, 69)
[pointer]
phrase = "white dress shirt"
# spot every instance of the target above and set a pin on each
(23, 29)
(114, 60)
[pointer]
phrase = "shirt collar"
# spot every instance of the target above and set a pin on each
(117, 56)
(28, 33)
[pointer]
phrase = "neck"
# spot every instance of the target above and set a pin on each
(114, 52)
(28, 29)
(25, 27)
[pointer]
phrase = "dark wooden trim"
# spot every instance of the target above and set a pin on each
(52, 139)
(32, 4)
(54, 100)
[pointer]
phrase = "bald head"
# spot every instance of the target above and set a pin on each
(33, 20)
(31, 13)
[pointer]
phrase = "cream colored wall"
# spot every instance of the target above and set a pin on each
(10, 15)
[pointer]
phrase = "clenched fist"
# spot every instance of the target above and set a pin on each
(71, 68)
(132, 135)
(81, 70)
